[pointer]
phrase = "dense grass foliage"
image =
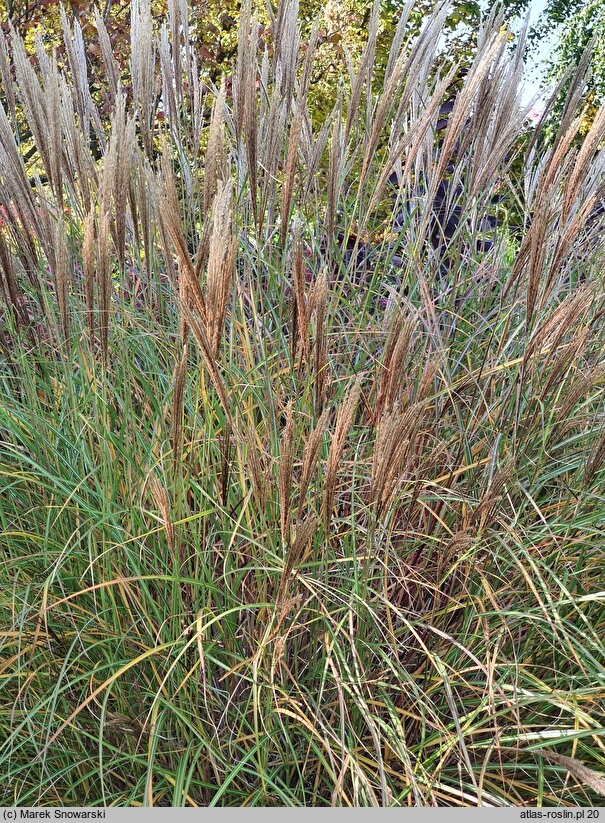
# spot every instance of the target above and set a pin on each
(301, 478)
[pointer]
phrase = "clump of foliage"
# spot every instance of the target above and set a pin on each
(584, 29)
(300, 478)
(212, 30)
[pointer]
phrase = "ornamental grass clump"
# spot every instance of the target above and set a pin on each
(301, 428)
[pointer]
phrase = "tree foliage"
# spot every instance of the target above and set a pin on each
(342, 29)
(585, 28)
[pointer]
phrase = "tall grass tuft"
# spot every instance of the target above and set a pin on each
(302, 429)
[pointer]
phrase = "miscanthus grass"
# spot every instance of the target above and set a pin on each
(302, 432)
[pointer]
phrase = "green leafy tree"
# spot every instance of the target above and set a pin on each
(343, 29)
(585, 28)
